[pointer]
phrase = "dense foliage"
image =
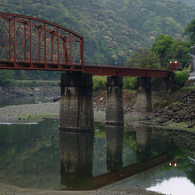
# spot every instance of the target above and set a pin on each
(190, 31)
(99, 82)
(189, 2)
(181, 77)
(113, 30)
(143, 57)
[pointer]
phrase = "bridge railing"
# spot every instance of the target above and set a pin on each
(121, 66)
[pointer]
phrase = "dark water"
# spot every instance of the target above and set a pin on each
(39, 156)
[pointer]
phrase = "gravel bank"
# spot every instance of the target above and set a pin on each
(13, 190)
(28, 112)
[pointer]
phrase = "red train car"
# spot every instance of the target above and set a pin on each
(175, 65)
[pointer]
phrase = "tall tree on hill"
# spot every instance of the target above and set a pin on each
(180, 50)
(190, 31)
(162, 47)
(143, 57)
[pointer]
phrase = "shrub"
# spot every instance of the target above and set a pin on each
(129, 82)
(180, 77)
(29, 115)
(99, 82)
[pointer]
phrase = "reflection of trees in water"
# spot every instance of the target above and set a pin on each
(29, 155)
(190, 172)
(31, 164)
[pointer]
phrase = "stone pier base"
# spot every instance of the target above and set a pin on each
(165, 84)
(114, 105)
(76, 102)
(144, 100)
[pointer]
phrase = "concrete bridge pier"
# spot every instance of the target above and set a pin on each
(114, 138)
(165, 84)
(114, 104)
(76, 102)
(144, 99)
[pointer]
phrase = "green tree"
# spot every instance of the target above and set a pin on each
(162, 47)
(6, 77)
(144, 58)
(190, 31)
(180, 50)
(181, 77)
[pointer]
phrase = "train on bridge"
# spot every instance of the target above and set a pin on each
(175, 65)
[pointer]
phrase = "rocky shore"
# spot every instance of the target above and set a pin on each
(177, 115)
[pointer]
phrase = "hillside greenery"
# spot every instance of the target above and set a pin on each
(189, 2)
(113, 30)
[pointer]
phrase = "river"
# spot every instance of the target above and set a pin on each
(39, 156)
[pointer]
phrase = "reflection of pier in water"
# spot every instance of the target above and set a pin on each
(76, 156)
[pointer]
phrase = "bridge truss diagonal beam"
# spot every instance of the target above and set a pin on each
(31, 43)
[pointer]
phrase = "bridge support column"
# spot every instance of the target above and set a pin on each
(114, 137)
(144, 100)
(76, 102)
(114, 104)
(166, 84)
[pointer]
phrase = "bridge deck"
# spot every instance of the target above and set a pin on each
(95, 69)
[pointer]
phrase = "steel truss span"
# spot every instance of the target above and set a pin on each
(28, 43)
(31, 43)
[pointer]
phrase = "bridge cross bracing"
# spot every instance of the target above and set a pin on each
(28, 43)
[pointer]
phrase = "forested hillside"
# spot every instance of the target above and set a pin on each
(113, 29)
(189, 2)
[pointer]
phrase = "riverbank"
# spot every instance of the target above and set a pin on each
(33, 113)
(29, 113)
(10, 190)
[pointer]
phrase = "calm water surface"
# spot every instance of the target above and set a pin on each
(39, 156)
(22, 100)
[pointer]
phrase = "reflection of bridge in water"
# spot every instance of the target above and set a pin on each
(76, 156)
(129, 171)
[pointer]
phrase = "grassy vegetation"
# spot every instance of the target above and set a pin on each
(35, 83)
(99, 83)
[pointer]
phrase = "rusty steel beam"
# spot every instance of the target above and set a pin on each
(95, 70)
(58, 53)
(10, 39)
(9, 16)
(27, 31)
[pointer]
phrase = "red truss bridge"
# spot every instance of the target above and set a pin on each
(28, 43)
